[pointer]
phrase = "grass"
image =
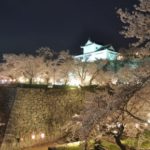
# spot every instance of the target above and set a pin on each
(143, 142)
(68, 148)
(109, 145)
(131, 142)
(104, 144)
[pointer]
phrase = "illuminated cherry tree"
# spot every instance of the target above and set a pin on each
(137, 24)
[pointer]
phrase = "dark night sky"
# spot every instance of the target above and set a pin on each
(26, 25)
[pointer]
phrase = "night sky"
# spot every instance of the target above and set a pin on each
(26, 25)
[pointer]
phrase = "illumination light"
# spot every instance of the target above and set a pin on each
(33, 136)
(75, 115)
(119, 124)
(136, 53)
(148, 115)
(42, 135)
(22, 79)
(74, 82)
(3, 81)
(148, 120)
(115, 131)
(2, 124)
(119, 57)
(114, 81)
(39, 80)
(145, 124)
(13, 80)
(137, 125)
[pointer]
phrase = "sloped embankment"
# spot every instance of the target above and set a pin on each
(39, 111)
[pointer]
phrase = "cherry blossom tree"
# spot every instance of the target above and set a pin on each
(137, 24)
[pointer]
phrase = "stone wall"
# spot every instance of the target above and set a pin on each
(7, 97)
(39, 111)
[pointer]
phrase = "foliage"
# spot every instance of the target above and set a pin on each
(146, 134)
(45, 52)
(132, 142)
(145, 144)
(137, 23)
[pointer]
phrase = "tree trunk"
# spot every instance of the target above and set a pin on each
(86, 145)
(47, 80)
(66, 81)
(54, 78)
(30, 81)
(90, 82)
(117, 139)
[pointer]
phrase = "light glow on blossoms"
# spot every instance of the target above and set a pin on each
(137, 125)
(146, 124)
(42, 135)
(115, 131)
(39, 80)
(148, 115)
(23, 79)
(114, 81)
(33, 136)
(74, 82)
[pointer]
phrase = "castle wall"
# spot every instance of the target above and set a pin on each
(39, 111)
